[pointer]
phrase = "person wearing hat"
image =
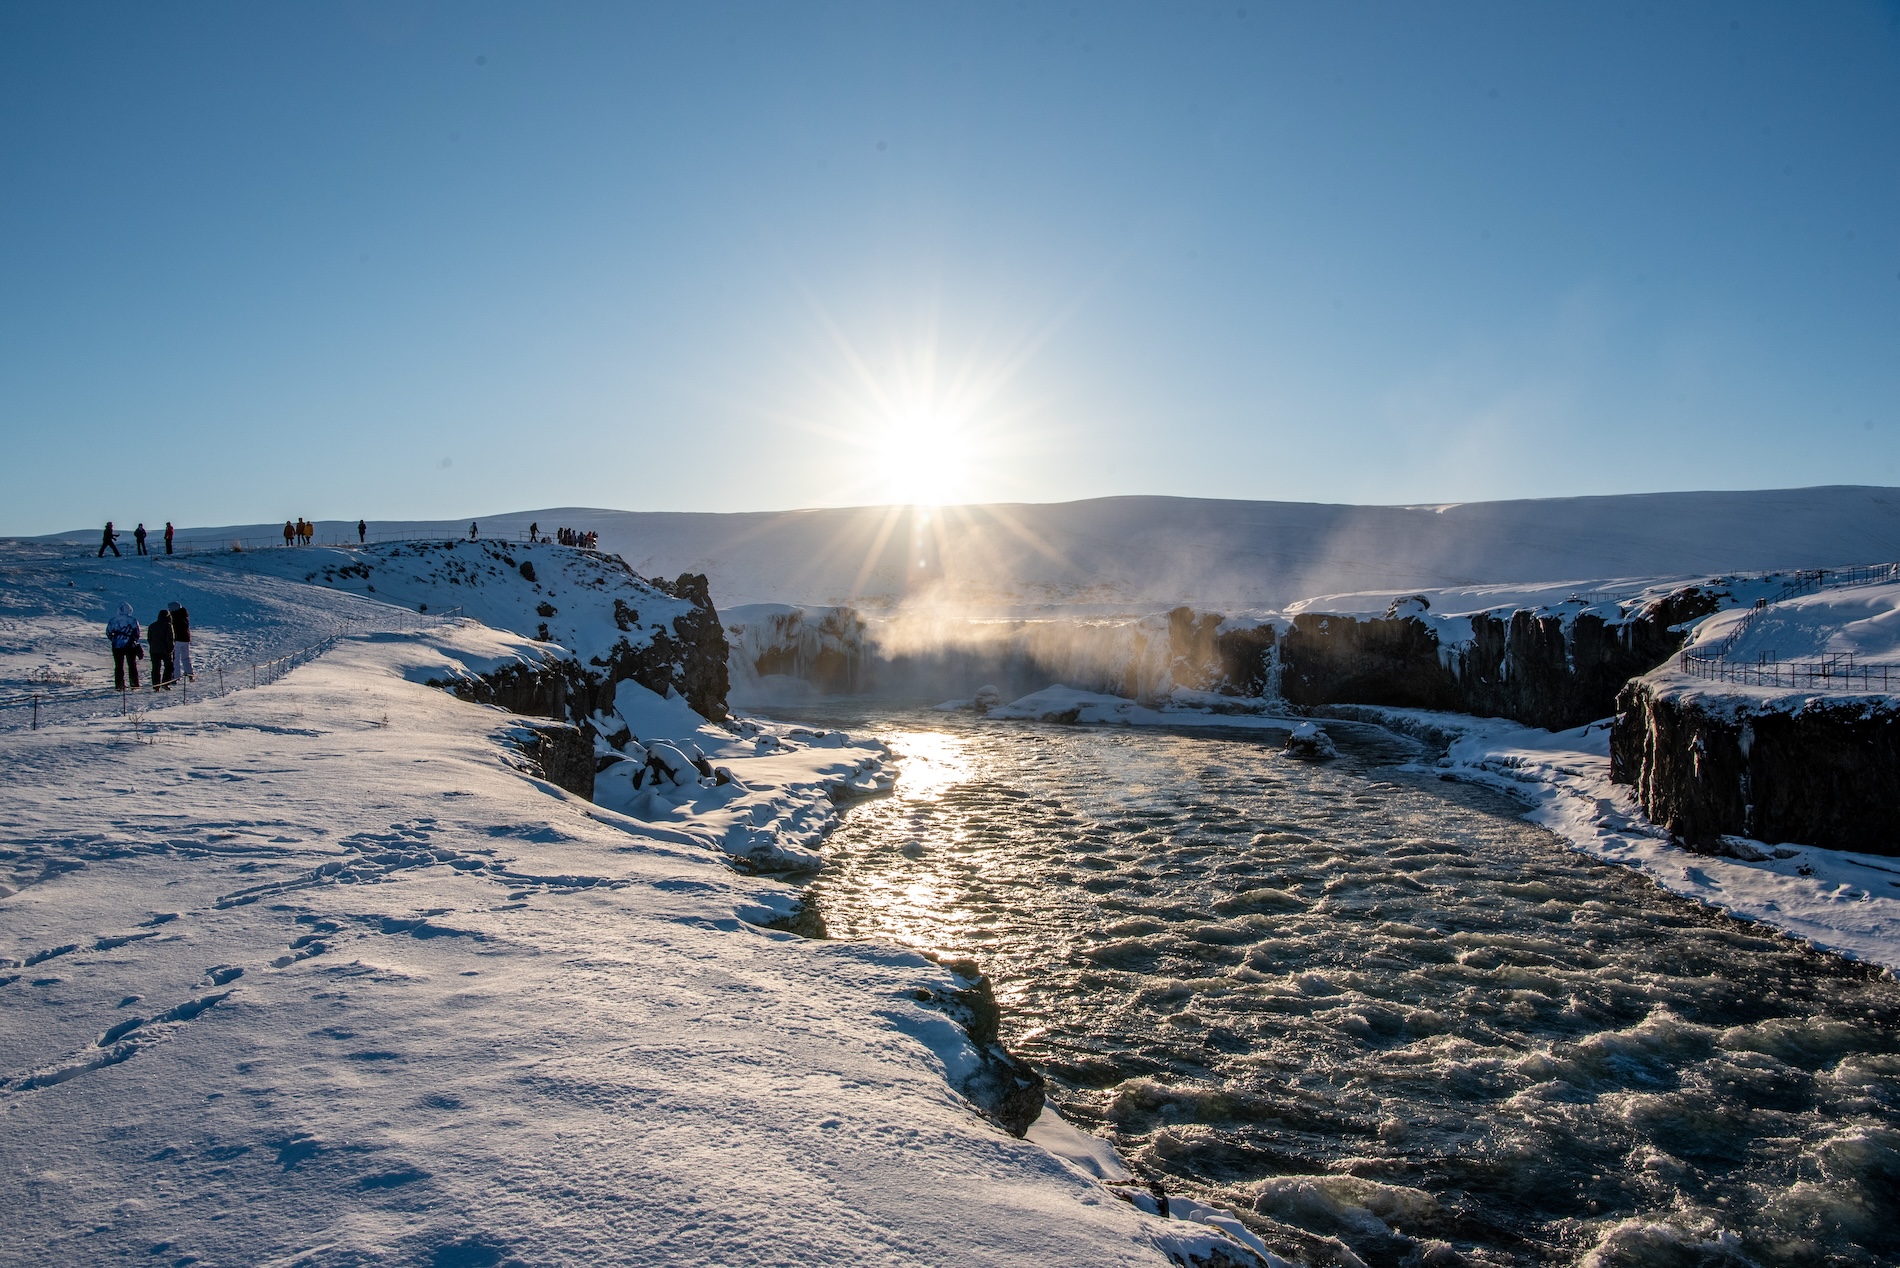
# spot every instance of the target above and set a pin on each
(123, 631)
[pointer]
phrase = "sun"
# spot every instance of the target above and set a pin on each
(923, 457)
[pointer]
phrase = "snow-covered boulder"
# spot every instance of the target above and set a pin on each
(1308, 743)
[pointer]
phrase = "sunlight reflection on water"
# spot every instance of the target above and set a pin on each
(1357, 1003)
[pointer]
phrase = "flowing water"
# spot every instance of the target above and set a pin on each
(1375, 1013)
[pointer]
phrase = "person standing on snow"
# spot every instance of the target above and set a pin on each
(168, 537)
(471, 530)
(289, 532)
(181, 641)
(138, 535)
(362, 532)
(534, 532)
(111, 539)
(158, 636)
(123, 632)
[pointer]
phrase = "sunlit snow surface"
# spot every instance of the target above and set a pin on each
(1361, 1002)
(321, 973)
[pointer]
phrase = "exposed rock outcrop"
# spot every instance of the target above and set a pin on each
(1812, 770)
(566, 757)
(615, 624)
(1005, 1088)
(1554, 669)
(535, 691)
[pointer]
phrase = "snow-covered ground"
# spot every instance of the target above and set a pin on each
(321, 972)
(1835, 900)
(54, 605)
(1863, 621)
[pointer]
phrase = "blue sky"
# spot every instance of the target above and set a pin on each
(414, 261)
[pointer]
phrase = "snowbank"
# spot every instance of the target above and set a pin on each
(1863, 621)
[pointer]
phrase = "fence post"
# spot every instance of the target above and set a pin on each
(36, 711)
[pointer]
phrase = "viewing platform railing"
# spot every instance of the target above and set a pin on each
(1834, 672)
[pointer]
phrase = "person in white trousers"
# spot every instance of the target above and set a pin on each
(181, 640)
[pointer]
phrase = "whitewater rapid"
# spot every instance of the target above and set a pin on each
(1371, 1009)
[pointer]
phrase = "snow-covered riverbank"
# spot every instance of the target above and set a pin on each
(323, 972)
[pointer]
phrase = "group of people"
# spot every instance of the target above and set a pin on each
(301, 532)
(168, 636)
(589, 540)
(111, 540)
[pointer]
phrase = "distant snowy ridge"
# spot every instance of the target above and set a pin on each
(1106, 554)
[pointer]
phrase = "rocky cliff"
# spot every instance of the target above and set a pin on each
(613, 624)
(1708, 762)
(1558, 666)
(1555, 667)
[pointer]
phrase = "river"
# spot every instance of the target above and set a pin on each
(1376, 1013)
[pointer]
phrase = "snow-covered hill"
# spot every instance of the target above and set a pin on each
(1147, 552)
(616, 624)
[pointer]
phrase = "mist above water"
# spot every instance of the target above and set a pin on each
(1376, 1012)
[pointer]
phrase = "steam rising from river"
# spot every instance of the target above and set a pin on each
(927, 649)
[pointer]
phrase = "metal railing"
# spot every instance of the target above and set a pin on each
(33, 708)
(1835, 672)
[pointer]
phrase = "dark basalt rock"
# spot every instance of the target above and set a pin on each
(689, 658)
(566, 757)
(1006, 1089)
(1247, 658)
(1820, 772)
(698, 647)
(532, 691)
(1524, 666)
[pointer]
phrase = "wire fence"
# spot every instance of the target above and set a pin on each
(34, 709)
(1835, 672)
(1840, 674)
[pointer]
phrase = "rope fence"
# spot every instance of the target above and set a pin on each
(32, 708)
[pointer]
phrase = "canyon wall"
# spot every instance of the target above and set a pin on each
(1555, 667)
(1708, 763)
